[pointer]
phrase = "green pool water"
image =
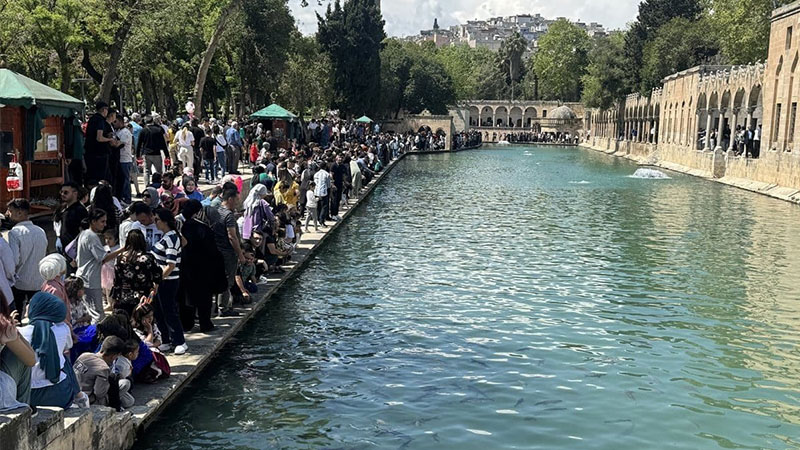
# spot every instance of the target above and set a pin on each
(522, 298)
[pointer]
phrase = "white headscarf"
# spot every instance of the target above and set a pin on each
(52, 266)
(257, 192)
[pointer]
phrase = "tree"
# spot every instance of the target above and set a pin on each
(305, 84)
(56, 25)
(466, 66)
(510, 59)
(742, 28)
(604, 82)
(414, 79)
(351, 36)
(676, 46)
(396, 63)
(652, 15)
(561, 61)
(429, 86)
(208, 54)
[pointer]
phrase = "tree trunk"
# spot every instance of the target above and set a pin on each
(115, 52)
(64, 66)
(208, 55)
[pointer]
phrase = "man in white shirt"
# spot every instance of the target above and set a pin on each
(125, 136)
(323, 181)
(28, 244)
(145, 224)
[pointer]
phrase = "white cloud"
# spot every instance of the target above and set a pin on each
(407, 17)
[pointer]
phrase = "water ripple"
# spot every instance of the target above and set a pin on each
(505, 299)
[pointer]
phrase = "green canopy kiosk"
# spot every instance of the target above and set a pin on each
(364, 119)
(279, 121)
(40, 130)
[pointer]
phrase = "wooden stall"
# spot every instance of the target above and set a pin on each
(38, 128)
(280, 122)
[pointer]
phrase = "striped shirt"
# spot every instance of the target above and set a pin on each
(168, 250)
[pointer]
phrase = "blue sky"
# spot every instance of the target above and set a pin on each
(407, 17)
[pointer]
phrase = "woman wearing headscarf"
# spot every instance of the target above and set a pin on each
(202, 271)
(53, 381)
(150, 197)
(257, 213)
(51, 268)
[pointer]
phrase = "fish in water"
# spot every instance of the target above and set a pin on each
(519, 402)
(547, 402)
(478, 361)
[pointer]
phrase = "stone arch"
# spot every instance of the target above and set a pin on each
(487, 116)
(515, 117)
(528, 116)
(501, 116)
(474, 116)
(755, 107)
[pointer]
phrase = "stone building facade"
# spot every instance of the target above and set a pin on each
(692, 121)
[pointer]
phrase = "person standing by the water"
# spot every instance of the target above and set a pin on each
(28, 244)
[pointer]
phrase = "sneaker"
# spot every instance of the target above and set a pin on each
(229, 313)
(82, 400)
(181, 349)
(163, 348)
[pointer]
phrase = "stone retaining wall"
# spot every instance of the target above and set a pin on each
(774, 174)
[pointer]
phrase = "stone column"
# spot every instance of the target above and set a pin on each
(749, 118)
(733, 129)
(709, 112)
(720, 128)
(693, 137)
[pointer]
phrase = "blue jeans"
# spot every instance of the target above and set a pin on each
(125, 179)
(166, 312)
(221, 163)
(211, 174)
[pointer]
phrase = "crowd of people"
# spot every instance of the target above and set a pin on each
(746, 140)
(132, 274)
(547, 137)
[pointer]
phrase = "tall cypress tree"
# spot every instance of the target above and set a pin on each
(351, 35)
(652, 15)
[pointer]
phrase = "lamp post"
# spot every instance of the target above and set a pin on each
(82, 82)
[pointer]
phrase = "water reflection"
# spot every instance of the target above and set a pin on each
(498, 299)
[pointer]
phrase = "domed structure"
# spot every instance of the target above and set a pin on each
(563, 112)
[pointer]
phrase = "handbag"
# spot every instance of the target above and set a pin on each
(71, 250)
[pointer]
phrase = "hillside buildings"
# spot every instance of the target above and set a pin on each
(492, 32)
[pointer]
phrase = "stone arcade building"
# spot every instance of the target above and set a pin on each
(690, 123)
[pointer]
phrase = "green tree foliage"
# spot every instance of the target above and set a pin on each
(742, 28)
(305, 84)
(676, 46)
(351, 36)
(468, 68)
(604, 82)
(561, 61)
(653, 14)
(414, 79)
